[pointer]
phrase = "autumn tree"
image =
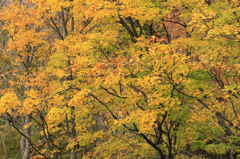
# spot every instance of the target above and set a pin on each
(123, 79)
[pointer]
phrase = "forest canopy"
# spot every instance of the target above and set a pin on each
(120, 79)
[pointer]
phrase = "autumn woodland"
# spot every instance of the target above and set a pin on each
(116, 79)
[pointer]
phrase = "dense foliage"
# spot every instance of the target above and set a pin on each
(120, 79)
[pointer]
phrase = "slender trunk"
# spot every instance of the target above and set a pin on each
(73, 134)
(4, 146)
(24, 144)
(72, 119)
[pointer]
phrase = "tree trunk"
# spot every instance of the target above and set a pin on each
(24, 144)
(73, 135)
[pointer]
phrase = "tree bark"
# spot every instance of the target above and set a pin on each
(24, 144)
